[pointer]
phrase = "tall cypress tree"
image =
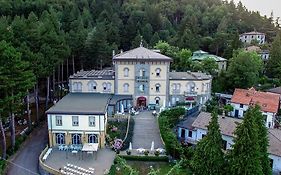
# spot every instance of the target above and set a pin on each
(245, 156)
(208, 157)
(262, 141)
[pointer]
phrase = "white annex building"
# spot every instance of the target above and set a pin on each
(252, 36)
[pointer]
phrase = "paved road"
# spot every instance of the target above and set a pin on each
(27, 157)
(146, 130)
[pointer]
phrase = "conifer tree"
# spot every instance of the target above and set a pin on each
(208, 157)
(245, 156)
(262, 141)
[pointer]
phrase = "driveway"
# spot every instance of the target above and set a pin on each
(146, 130)
(25, 162)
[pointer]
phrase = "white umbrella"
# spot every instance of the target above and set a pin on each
(152, 146)
(122, 109)
(130, 146)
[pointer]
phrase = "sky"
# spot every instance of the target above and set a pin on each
(265, 7)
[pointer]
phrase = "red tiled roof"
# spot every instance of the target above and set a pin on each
(269, 102)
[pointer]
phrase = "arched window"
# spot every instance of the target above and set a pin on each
(142, 72)
(92, 138)
(141, 88)
(76, 139)
(158, 70)
(108, 86)
(104, 86)
(126, 72)
(157, 87)
(92, 86)
(60, 139)
(190, 87)
(126, 87)
(157, 100)
(77, 87)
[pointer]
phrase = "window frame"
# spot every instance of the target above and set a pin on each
(74, 117)
(94, 121)
(57, 123)
(125, 87)
(126, 72)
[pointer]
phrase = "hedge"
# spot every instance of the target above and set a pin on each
(145, 158)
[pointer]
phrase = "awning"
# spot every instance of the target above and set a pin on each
(90, 147)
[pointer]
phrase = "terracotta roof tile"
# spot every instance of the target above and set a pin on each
(269, 102)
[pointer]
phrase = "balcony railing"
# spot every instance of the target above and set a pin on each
(188, 140)
(176, 91)
(190, 94)
(142, 78)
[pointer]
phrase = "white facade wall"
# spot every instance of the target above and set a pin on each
(276, 166)
(248, 38)
(269, 115)
(83, 123)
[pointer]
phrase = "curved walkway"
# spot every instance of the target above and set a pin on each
(25, 162)
(146, 130)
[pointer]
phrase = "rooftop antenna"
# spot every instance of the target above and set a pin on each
(141, 42)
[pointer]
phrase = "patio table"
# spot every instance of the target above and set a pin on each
(90, 147)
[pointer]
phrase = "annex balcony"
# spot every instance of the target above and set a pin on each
(142, 78)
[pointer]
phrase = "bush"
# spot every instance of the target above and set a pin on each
(2, 166)
(146, 152)
(128, 152)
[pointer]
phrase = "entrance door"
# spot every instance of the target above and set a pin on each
(141, 101)
(182, 133)
(236, 113)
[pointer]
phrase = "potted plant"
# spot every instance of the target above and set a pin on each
(146, 152)
(157, 153)
(128, 152)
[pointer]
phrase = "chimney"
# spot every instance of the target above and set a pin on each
(113, 53)
(121, 51)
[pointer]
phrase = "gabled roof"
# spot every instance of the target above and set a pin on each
(269, 102)
(253, 33)
(276, 90)
(189, 76)
(227, 124)
(141, 53)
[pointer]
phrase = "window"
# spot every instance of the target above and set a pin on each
(92, 138)
(58, 120)
(92, 121)
(174, 86)
(104, 86)
(158, 70)
(76, 139)
(189, 133)
(157, 86)
(182, 133)
(126, 72)
(203, 135)
(60, 138)
(241, 105)
(141, 88)
(75, 121)
(191, 87)
(92, 86)
(224, 144)
(126, 87)
(142, 72)
(108, 87)
(245, 36)
(157, 100)
(77, 87)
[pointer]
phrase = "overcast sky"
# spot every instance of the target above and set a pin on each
(263, 6)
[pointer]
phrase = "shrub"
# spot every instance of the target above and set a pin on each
(157, 153)
(146, 152)
(145, 158)
(128, 152)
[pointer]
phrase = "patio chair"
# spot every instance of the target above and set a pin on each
(65, 148)
(61, 147)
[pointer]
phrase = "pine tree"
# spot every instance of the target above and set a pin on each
(262, 141)
(245, 156)
(208, 157)
(273, 68)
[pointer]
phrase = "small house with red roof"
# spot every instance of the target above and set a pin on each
(242, 99)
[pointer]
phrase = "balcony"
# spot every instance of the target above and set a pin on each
(142, 78)
(188, 140)
(190, 94)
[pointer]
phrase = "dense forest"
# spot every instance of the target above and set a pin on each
(47, 40)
